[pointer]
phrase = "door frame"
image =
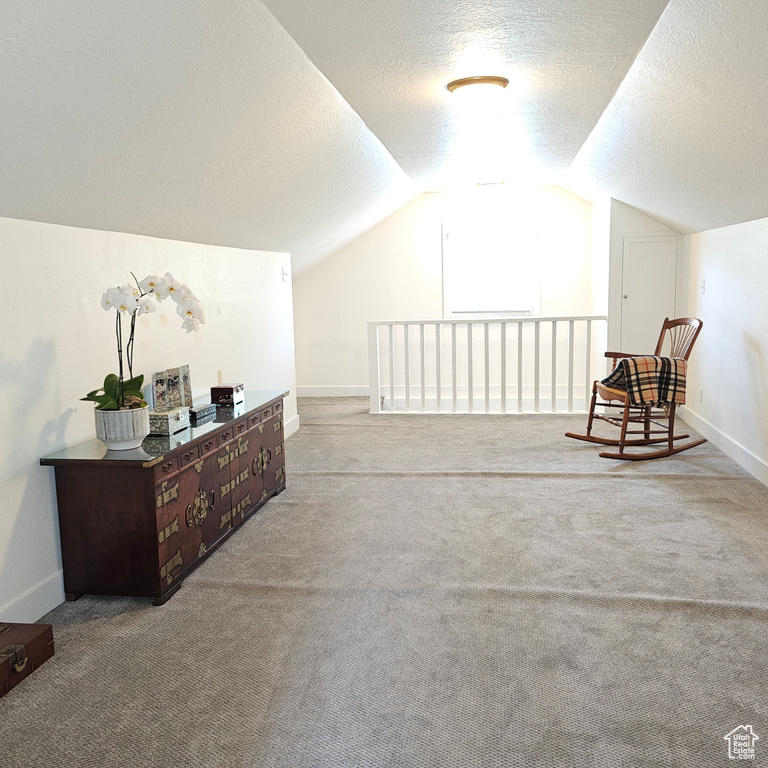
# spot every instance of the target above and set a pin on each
(615, 277)
(627, 239)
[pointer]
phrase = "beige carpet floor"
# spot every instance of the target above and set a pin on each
(433, 592)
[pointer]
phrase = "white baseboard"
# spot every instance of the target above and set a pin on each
(741, 455)
(291, 426)
(35, 603)
(332, 391)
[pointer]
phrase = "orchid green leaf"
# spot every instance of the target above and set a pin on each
(112, 386)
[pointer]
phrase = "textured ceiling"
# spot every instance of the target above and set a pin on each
(197, 121)
(391, 61)
(685, 137)
(295, 127)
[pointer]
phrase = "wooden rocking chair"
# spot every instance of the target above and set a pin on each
(679, 336)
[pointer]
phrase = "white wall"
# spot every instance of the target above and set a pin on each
(730, 360)
(394, 272)
(57, 344)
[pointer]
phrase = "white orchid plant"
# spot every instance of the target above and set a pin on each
(118, 392)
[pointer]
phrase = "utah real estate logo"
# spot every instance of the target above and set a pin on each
(741, 743)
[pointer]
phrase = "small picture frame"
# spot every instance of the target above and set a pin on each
(186, 386)
(159, 386)
(172, 388)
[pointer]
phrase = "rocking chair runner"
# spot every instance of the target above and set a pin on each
(681, 334)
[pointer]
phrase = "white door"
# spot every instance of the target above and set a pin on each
(648, 283)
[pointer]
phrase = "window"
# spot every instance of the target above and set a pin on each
(492, 256)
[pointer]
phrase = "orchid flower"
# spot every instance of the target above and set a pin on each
(154, 284)
(190, 308)
(190, 324)
(126, 302)
(175, 289)
(137, 300)
(146, 306)
(110, 297)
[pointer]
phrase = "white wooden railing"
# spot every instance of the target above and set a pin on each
(490, 365)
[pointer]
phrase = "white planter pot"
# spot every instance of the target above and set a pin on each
(122, 430)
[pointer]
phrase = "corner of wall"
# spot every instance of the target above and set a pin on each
(292, 426)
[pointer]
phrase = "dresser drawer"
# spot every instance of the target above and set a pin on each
(188, 456)
(266, 413)
(277, 407)
(241, 427)
(225, 435)
(254, 419)
(166, 468)
(208, 445)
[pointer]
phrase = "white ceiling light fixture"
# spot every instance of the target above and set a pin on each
(503, 82)
(478, 101)
(481, 119)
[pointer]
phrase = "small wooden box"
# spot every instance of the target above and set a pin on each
(227, 394)
(229, 412)
(168, 421)
(200, 414)
(23, 648)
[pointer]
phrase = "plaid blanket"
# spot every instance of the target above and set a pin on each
(650, 380)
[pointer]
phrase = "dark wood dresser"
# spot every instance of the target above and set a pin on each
(137, 522)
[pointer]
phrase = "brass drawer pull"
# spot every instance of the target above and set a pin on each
(260, 463)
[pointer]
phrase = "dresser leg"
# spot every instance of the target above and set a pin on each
(72, 596)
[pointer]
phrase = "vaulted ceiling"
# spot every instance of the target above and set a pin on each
(391, 62)
(294, 126)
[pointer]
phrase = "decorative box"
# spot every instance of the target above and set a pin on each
(163, 443)
(167, 421)
(200, 414)
(228, 412)
(204, 419)
(227, 394)
(23, 648)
